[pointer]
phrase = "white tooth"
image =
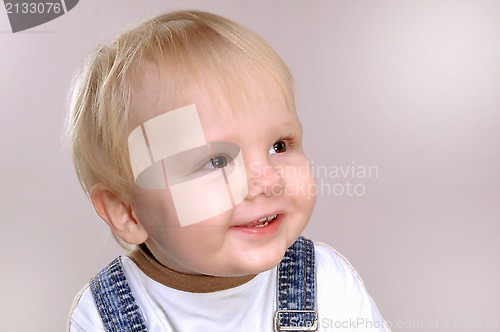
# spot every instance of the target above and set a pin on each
(267, 219)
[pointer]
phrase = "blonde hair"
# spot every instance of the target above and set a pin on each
(199, 45)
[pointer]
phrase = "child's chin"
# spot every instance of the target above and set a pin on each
(262, 266)
(245, 270)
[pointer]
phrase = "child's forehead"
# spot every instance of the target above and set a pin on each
(156, 91)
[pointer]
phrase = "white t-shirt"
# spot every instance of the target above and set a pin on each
(342, 302)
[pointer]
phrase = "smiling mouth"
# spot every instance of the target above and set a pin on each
(263, 222)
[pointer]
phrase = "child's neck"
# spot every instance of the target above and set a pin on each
(143, 258)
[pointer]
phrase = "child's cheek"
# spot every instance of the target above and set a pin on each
(155, 209)
(298, 176)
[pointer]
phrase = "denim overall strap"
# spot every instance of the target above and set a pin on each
(296, 293)
(115, 302)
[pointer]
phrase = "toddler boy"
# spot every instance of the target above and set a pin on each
(185, 137)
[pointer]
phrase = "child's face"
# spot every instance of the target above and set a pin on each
(279, 183)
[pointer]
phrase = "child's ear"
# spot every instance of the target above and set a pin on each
(117, 215)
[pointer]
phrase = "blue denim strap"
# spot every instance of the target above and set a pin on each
(296, 293)
(116, 304)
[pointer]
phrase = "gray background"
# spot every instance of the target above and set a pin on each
(411, 87)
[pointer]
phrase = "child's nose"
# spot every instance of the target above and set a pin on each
(264, 178)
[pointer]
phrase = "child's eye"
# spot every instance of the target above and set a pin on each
(279, 146)
(219, 161)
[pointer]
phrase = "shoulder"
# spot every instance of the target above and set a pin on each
(342, 296)
(335, 275)
(83, 315)
(332, 263)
